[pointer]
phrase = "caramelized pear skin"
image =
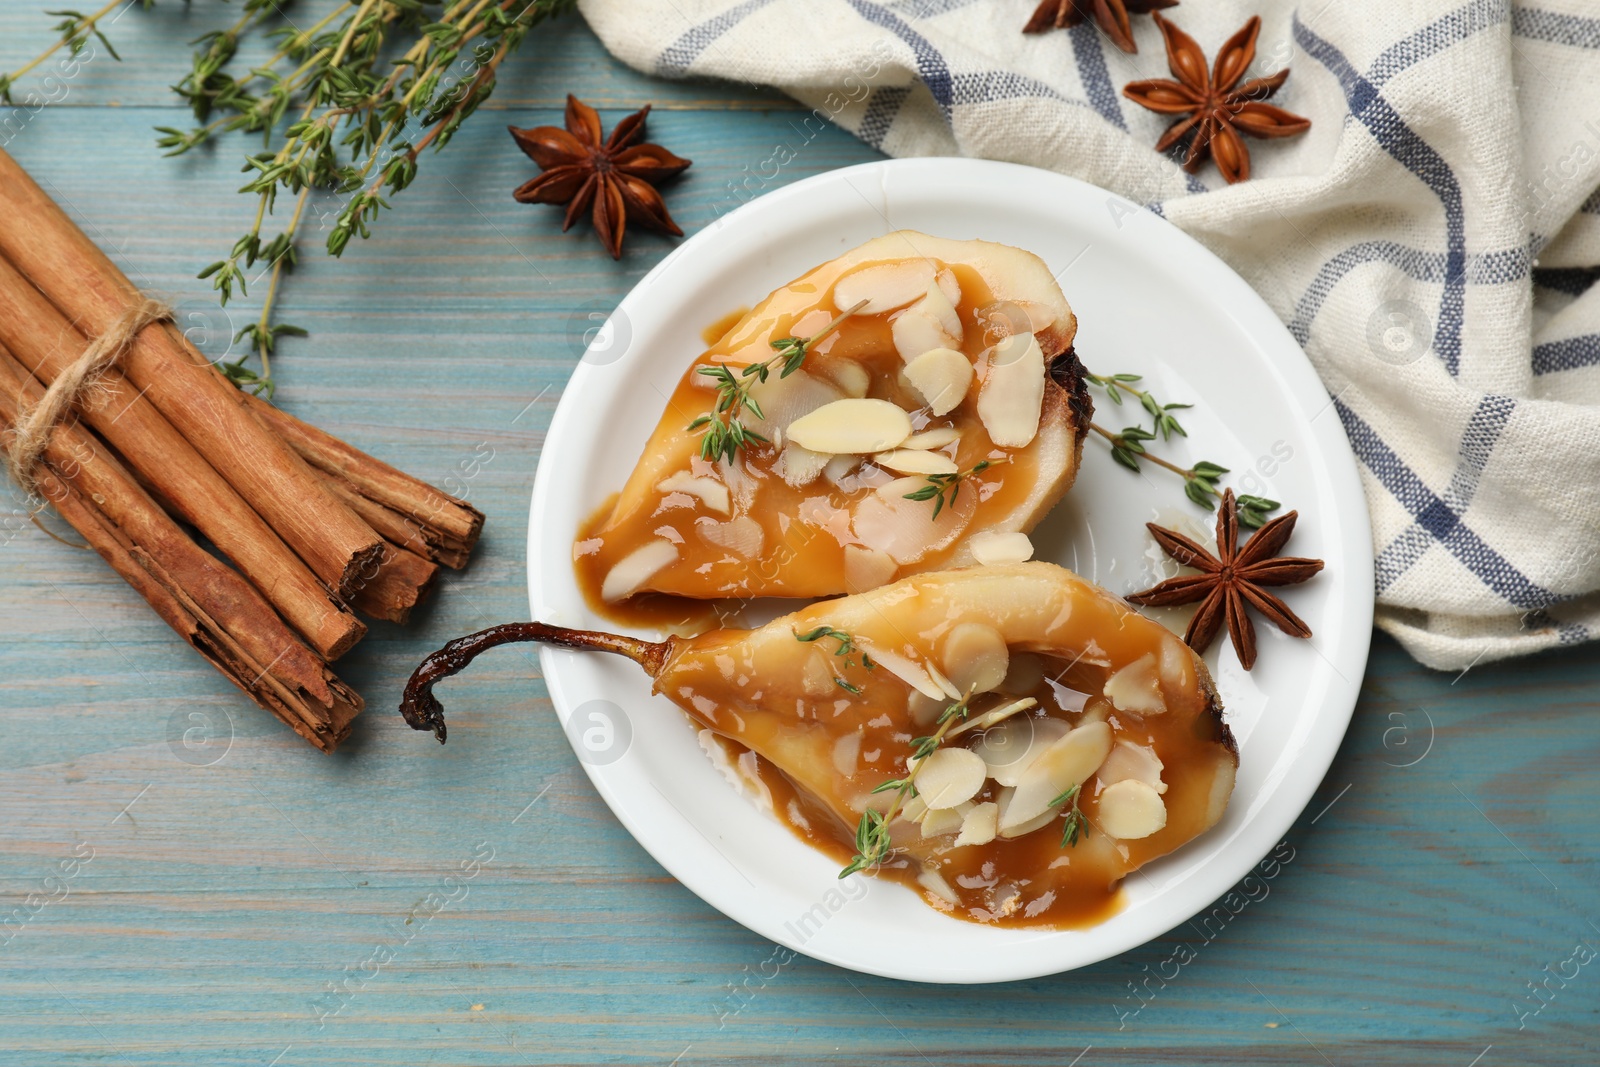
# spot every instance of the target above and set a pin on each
(1070, 706)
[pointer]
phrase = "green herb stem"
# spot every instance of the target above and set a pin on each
(873, 844)
(74, 32)
(722, 429)
(1076, 823)
(333, 103)
(1128, 449)
(938, 485)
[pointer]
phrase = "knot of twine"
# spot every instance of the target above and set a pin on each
(36, 422)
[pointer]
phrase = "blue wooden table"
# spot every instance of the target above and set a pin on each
(188, 883)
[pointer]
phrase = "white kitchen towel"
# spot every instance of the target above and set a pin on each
(1431, 242)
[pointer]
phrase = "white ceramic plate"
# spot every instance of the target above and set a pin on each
(1149, 300)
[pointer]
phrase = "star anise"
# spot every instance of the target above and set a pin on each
(1226, 584)
(1111, 15)
(1217, 107)
(617, 176)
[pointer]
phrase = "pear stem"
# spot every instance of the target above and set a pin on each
(422, 709)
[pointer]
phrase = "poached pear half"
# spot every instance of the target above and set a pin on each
(936, 414)
(1086, 740)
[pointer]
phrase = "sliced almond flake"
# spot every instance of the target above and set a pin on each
(942, 308)
(896, 490)
(940, 821)
(637, 568)
(941, 377)
(996, 548)
(1038, 822)
(917, 330)
(1130, 810)
(943, 682)
(975, 657)
(867, 568)
(1136, 688)
(884, 287)
(1131, 760)
(937, 437)
(1064, 764)
(799, 467)
(1011, 393)
(934, 883)
(907, 671)
(949, 776)
(852, 425)
(980, 824)
(708, 490)
(848, 375)
(839, 468)
(1011, 746)
(915, 461)
(992, 718)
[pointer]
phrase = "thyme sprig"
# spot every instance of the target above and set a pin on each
(940, 485)
(1200, 482)
(723, 428)
(873, 844)
(847, 650)
(73, 33)
(345, 105)
(1076, 824)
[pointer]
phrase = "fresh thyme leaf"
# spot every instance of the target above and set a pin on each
(1254, 511)
(873, 843)
(1076, 824)
(1201, 482)
(724, 432)
(846, 650)
(847, 644)
(941, 484)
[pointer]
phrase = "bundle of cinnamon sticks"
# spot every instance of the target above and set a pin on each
(163, 449)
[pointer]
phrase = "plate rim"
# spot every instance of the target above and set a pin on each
(1264, 323)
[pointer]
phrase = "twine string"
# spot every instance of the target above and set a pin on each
(36, 422)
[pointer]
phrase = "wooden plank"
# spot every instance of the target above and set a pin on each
(231, 880)
(558, 57)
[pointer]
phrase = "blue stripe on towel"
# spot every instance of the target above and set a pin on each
(678, 56)
(1549, 26)
(1489, 268)
(1416, 155)
(931, 66)
(883, 107)
(1103, 96)
(1436, 517)
(1436, 37)
(1570, 354)
(1573, 281)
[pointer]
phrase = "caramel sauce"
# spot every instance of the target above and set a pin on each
(1079, 908)
(719, 329)
(751, 688)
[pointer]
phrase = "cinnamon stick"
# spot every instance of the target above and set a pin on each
(405, 510)
(45, 343)
(399, 583)
(50, 251)
(217, 612)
